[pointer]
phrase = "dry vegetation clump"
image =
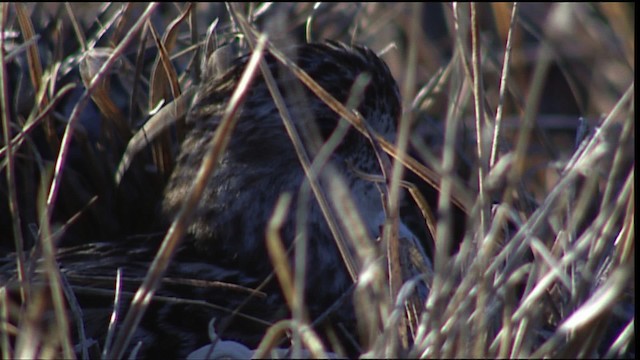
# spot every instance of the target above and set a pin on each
(519, 116)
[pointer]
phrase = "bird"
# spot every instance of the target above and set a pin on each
(260, 162)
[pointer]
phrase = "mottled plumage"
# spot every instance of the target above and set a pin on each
(260, 162)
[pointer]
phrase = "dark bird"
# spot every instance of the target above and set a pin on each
(260, 162)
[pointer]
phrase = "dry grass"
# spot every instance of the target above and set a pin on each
(522, 116)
